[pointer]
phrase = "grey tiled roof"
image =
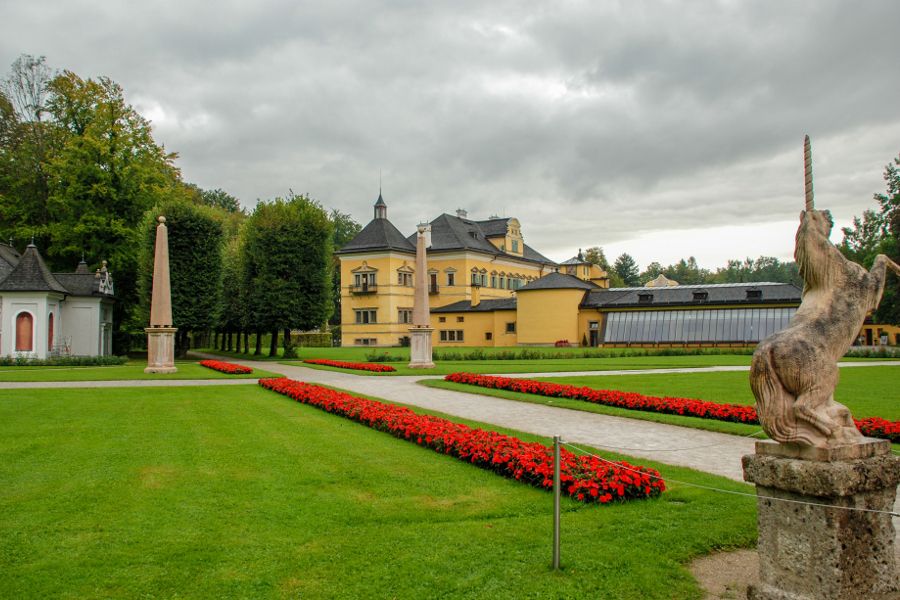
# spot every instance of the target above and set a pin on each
(559, 281)
(483, 306)
(31, 275)
(80, 284)
(379, 234)
(453, 233)
(9, 258)
(494, 227)
(683, 295)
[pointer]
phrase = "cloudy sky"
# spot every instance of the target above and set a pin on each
(662, 129)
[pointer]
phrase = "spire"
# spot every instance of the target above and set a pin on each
(380, 206)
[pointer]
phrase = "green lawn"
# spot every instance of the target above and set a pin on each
(867, 391)
(240, 492)
(131, 370)
(550, 365)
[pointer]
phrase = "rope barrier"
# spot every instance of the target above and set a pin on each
(732, 492)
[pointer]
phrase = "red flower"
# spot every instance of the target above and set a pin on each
(226, 367)
(528, 462)
(375, 367)
(872, 426)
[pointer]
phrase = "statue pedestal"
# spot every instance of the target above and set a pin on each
(420, 348)
(825, 552)
(161, 350)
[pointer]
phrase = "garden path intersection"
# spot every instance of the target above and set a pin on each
(712, 452)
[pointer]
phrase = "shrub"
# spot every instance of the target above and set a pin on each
(62, 361)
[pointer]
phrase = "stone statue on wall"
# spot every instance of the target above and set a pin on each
(794, 371)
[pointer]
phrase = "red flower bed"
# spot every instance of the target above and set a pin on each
(341, 364)
(872, 427)
(226, 367)
(585, 478)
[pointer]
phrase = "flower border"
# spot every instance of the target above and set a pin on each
(872, 426)
(356, 366)
(226, 367)
(584, 478)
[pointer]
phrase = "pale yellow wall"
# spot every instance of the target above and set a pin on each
(390, 296)
(388, 299)
(474, 326)
(547, 316)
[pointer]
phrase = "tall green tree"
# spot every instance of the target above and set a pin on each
(879, 233)
(195, 265)
(627, 269)
(345, 229)
(78, 170)
(596, 256)
(288, 266)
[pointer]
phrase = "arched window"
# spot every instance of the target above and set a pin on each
(50, 332)
(24, 332)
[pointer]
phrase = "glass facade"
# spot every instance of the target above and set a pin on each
(680, 326)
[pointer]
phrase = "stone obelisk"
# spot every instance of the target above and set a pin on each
(161, 334)
(420, 332)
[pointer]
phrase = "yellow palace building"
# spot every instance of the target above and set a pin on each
(487, 287)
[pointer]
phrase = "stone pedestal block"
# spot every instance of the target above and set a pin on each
(161, 350)
(420, 348)
(819, 551)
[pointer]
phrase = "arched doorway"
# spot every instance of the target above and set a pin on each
(24, 332)
(50, 332)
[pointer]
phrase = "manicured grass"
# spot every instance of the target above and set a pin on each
(552, 365)
(867, 391)
(226, 492)
(132, 370)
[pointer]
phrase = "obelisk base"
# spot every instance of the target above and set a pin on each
(420, 348)
(822, 551)
(161, 350)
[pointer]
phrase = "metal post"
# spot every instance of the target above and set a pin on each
(556, 492)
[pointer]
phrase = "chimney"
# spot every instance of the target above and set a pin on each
(462, 213)
(476, 295)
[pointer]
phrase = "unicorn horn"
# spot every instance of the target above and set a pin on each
(807, 171)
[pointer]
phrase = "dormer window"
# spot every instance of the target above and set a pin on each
(701, 296)
(645, 298)
(754, 294)
(474, 235)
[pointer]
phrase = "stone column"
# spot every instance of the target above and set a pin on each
(420, 332)
(161, 334)
(823, 551)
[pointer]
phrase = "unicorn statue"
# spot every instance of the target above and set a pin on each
(794, 371)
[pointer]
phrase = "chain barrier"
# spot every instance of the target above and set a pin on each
(733, 492)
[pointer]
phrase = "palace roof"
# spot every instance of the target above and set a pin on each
(379, 234)
(483, 306)
(455, 233)
(559, 281)
(693, 295)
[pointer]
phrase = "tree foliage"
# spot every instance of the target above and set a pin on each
(195, 265)
(287, 254)
(627, 270)
(879, 233)
(345, 229)
(78, 170)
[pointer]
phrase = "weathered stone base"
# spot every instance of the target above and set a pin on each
(825, 552)
(161, 350)
(420, 348)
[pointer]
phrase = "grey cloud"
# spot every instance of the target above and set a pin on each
(638, 116)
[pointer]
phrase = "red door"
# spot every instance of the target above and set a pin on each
(24, 332)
